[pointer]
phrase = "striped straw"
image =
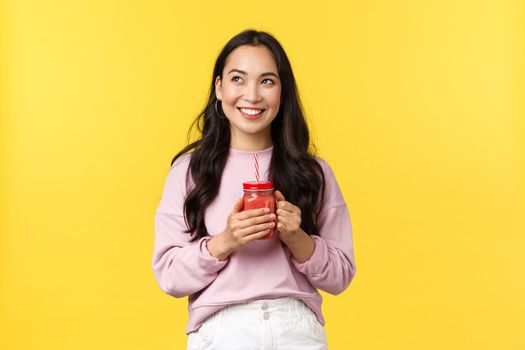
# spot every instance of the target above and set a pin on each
(256, 163)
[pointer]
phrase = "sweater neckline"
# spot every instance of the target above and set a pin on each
(261, 154)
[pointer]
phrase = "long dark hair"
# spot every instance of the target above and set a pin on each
(294, 171)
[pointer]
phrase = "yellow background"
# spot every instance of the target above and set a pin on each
(418, 106)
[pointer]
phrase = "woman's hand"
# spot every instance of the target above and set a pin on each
(299, 242)
(242, 227)
(288, 218)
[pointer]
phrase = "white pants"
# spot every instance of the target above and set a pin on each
(264, 324)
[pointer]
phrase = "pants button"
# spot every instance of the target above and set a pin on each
(266, 315)
(265, 306)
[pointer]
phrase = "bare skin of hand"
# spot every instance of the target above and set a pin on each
(289, 228)
(242, 228)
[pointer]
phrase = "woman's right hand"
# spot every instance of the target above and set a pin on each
(242, 227)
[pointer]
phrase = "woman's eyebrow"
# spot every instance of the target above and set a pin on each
(262, 75)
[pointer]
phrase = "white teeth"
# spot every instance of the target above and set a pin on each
(251, 111)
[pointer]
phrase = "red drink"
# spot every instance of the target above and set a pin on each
(259, 195)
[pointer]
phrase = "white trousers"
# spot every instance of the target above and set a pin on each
(264, 324)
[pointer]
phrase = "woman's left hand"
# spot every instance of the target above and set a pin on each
(288, 218)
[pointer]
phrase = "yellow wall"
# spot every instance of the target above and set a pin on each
(417, 105)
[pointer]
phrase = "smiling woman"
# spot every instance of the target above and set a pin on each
(247, 95)
(245, 292)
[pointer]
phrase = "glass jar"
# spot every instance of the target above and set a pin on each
(259, 194)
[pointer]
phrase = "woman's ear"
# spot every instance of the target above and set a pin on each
(218, 88)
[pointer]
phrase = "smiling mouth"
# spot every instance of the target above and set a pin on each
(251, 113)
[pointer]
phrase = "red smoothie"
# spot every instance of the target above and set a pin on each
(259, 195)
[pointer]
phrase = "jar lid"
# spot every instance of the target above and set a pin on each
(254, 185)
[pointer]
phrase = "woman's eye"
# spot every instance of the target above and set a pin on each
(235, 79)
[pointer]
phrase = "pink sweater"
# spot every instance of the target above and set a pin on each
(263, 268)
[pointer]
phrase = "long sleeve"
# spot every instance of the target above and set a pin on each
(181, 267)
(331, 267)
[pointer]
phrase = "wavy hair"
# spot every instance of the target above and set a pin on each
(293, 169)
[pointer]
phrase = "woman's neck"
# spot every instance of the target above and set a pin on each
(251, 143)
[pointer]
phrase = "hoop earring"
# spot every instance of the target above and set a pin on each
(222, 116)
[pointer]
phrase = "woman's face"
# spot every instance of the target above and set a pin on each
(250, 90)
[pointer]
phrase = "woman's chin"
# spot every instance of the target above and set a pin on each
(250, 128)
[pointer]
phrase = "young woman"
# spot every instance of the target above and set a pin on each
(246, 292)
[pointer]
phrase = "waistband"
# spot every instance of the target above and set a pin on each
(285, 309)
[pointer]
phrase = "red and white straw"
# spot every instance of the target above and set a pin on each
(256, 163)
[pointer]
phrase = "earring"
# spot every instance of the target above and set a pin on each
(222, 116)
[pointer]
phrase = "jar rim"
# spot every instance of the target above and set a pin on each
(257, 185)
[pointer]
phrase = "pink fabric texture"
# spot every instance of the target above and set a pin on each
(263, 269)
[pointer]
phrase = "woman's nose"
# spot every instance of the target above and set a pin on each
(252, 93)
